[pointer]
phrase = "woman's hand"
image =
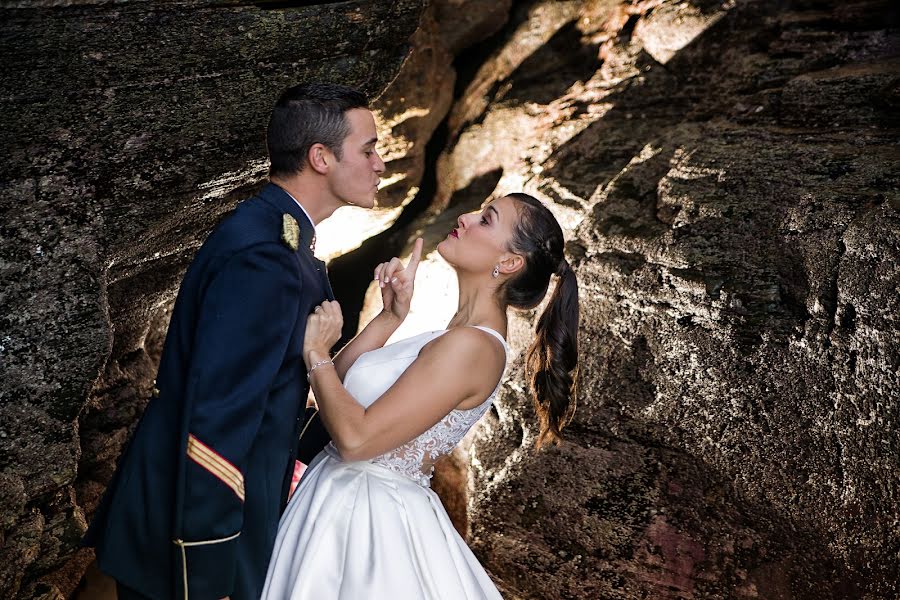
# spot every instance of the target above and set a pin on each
(323, 330)
(396, 282)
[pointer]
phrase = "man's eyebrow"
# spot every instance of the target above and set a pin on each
(371, 142)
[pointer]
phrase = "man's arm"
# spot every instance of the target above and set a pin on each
(248, 316)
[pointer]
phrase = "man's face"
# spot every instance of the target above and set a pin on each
(354, 179)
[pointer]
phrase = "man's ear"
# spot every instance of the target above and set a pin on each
(319, 158)
(511, 263)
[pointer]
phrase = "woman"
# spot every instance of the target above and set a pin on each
(364, 522)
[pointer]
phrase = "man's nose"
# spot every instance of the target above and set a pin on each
(379, 164)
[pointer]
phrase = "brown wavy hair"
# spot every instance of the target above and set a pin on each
(551, 363)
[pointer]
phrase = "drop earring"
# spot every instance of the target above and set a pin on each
(496, 272)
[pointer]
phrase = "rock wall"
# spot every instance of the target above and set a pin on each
(727, 173)
(128, 129)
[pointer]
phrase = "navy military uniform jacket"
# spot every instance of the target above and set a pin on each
(193, 509)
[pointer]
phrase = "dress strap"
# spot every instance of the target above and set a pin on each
(494, 333)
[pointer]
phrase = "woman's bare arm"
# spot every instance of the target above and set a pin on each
(462, 365)
(396, 283)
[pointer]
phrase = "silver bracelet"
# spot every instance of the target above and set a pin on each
(321, 363)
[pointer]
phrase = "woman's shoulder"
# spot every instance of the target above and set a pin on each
(472, 357)
(469, 344)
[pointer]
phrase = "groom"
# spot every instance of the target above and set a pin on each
(193, 508)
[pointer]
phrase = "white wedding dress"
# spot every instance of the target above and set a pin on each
(374, 529)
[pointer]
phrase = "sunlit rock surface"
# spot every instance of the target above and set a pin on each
(727, 173)
(409, 112)
(128, 129)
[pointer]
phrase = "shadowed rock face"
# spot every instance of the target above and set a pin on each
(128, 129)
(727, 173)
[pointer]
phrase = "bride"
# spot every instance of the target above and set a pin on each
(364, 522)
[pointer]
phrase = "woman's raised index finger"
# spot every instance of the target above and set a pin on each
(416, 255)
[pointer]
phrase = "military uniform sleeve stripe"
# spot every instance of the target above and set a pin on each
(220, 468)
(215, 468)
(236, 485)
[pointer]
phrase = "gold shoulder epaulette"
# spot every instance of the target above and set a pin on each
(290, 232)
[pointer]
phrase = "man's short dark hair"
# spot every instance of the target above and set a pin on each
(308, 114)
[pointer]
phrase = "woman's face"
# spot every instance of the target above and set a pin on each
(481, 239)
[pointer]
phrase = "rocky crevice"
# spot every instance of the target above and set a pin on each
(128, 130)
(726, 174)
(722, 169)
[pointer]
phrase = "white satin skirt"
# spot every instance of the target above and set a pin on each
(356, 531)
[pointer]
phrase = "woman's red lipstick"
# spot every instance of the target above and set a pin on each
(454, 234)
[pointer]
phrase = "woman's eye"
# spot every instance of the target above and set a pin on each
(484, 220)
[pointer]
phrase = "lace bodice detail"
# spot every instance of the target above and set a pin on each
(416, 459)
(374, 372)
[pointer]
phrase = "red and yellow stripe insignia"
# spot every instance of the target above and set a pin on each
(220, 468)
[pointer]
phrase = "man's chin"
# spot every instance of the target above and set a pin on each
(365, 202)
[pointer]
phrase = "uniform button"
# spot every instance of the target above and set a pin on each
(155, 392)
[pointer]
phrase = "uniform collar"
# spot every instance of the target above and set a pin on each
(286, 203)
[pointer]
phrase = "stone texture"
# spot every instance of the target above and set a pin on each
(727, 173)
(129, 128)
(410, 111)
(420, 96)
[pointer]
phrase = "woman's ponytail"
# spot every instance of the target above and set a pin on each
(552, 359)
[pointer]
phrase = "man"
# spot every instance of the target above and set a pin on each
(193, 508)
